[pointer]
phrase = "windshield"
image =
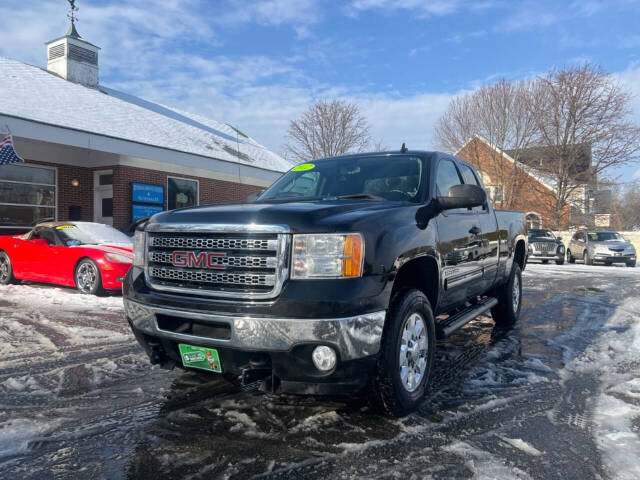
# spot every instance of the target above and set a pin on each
(91, 234)
(604, 236)
(541, 234)
(389, 177)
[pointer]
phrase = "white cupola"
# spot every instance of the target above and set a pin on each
(72, 57)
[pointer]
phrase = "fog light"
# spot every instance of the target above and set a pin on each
(324, 358)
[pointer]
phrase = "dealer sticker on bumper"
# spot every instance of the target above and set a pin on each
(200, 357)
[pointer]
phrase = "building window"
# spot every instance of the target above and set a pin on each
(182, 192)
(27, 195)
(496, 193)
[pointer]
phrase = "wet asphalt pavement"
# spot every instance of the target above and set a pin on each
(504, 403)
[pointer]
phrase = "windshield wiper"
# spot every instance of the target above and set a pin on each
(361, 196)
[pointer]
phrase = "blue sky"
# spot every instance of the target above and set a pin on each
(258, 64)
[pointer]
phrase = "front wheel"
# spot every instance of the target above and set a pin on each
(570, 258)
(6, 270)
(587, 258)
(560, 261)
(632, 263)
(406, 354)
(509, 295)
(88, 279)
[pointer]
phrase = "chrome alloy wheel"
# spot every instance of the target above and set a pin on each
(5, 267)
(87, 277)
(413, 352)
(515, 294)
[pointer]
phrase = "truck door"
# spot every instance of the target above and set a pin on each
(459, 242)
(489, 226)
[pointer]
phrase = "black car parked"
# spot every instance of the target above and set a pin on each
(545, 246)
(340, 276)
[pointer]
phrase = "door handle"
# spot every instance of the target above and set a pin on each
(475, 230)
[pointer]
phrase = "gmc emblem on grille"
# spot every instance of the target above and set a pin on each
(197, 259)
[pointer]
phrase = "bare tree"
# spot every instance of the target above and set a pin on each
(580, 108)
(626, 207)
(500, 114)
(328, 128)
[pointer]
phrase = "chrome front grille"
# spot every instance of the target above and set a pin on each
(257, 262)
(207, 276)
(213, 243)
(544, 247)
(233, 261)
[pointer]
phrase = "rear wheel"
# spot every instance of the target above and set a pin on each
(406, 354)
(545, 261)
(509, 296)
(608, 264)
(587, 259)
(570, 258)
(88, 279)
(6, 270)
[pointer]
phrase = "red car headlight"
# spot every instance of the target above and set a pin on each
(118, 258)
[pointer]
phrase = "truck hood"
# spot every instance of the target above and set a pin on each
(300, 216)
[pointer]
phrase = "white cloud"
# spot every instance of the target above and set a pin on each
(425, 8)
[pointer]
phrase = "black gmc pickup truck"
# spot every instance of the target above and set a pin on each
(338, 278)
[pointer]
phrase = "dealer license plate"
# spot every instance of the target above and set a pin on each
(200, 357)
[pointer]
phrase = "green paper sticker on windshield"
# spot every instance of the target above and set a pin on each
(303, 167)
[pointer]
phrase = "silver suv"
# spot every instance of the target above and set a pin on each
(601, 246)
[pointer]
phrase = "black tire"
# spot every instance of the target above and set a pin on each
(587, 259)
(87, 277)
(570, 258)
(608, 264)
(545, 261)
(506, 312)
(560, 261)
(631, 263)
(6, 270)
(390, 393)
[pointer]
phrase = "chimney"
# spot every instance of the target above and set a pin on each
(72, 57)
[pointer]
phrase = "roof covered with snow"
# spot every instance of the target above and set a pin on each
(34, 94)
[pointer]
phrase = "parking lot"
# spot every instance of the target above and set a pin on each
(558, 396)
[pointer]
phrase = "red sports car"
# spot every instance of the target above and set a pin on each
(89, 256)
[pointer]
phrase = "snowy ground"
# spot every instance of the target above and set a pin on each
(556, 397)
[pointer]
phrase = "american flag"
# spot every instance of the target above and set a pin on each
(7, 153)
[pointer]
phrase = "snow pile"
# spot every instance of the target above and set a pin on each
(17, 434)
(615, 359)
(484, 465)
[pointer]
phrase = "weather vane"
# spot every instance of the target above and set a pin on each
(72, 15)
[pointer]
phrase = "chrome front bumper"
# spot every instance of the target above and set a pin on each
(353, 337)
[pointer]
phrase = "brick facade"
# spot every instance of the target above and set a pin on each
(529, 195)
(210, 191)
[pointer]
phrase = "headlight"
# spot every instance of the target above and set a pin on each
(327, 256)
(117, 258)
(139, 246)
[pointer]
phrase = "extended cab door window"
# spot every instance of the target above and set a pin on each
(470, 179)
(447, 177)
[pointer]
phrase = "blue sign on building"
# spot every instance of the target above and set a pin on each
(141, 211)
(145, 193)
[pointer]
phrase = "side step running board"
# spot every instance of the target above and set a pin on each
(460, 319)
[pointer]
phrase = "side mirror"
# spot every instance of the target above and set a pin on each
(463, 196)
(559, 239)
(253, 197)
